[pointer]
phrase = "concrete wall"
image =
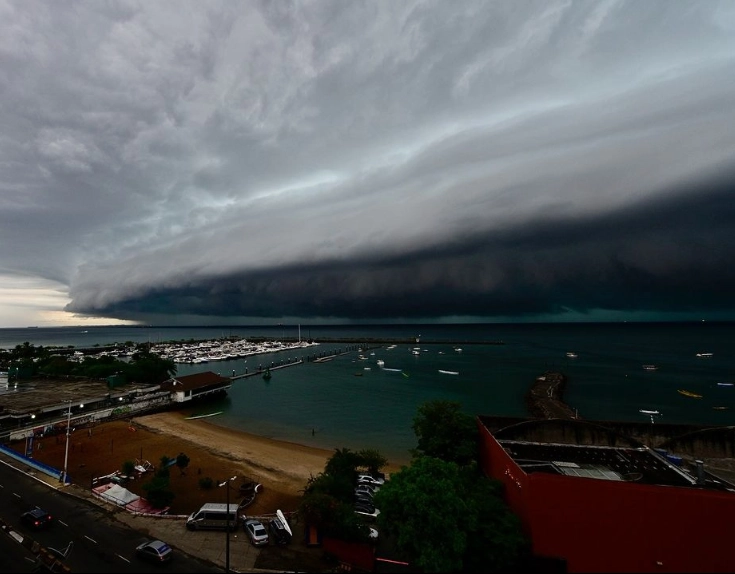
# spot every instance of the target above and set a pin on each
(609, 526)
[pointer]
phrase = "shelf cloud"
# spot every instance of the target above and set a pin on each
(189, 162)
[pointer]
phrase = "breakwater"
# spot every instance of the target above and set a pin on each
(545, 398)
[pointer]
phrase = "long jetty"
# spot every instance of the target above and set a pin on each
(545, 398)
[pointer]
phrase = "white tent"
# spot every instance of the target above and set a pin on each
(119, 495)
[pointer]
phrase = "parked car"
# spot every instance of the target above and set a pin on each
(369, 479)
(366, 503)
(37, 518)
(154, 551)
(367, 489)
(280, 529)
(256, 531)
(367, 510)
(364, 499)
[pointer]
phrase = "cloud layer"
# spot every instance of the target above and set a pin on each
(329, 161)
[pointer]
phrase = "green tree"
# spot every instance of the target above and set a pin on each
(444, 431)
(449, 518)
(147, 368)
(495, 542)
(372, 461)
(182, 461)
(158, 492)
(128, 467)
(343, 462)
(163, 470)
(424, 509)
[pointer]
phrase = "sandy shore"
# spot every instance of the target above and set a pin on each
(286, 464)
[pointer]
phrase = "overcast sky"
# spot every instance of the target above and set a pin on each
(246, 162)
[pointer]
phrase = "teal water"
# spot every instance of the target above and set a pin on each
(376, 409)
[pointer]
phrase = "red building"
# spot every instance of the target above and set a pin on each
(592, 500)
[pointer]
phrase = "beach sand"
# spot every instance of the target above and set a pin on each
(282, 468)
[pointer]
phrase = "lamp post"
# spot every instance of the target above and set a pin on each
(66, 451)
(29, 453)
(226, 484)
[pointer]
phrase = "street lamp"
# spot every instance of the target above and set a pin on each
(66, 451)
(227, 529)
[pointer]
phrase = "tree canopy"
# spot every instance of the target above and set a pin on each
(444, 431)
(448, 518)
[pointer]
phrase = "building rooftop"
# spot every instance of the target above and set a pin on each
(640, 465)
(577, 448)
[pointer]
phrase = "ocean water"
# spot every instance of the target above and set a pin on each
(341, 404)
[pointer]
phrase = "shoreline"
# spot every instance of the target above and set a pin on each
(288, 464)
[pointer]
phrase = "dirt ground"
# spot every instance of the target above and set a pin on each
(282, 468)
(102, 449)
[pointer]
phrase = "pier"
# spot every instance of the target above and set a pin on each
(545, 399)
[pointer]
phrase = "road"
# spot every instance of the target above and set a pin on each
(100, 542)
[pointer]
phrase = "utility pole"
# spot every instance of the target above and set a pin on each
(226, 484)
(66, 451)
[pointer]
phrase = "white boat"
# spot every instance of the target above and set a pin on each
(572, 355)
(650, 368)
(725, 384)
(204, 416)
(449, 372)
(647, 412)
(394, 370)
(705, 355)
(283, 520)
(380, 362)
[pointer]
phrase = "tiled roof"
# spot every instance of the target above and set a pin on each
(195, 381)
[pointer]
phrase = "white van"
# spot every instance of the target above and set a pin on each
(213, 516)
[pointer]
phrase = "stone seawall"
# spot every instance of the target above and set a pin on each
(545, 398)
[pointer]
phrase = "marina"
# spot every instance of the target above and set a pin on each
(321, 390)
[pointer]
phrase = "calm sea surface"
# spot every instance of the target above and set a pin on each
(347, 405)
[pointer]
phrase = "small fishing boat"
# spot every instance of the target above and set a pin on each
(689, 394)
(705, 355)
(571, 355)
(720, 408)
(380, 362)
(267, 374)
(448, 372)
(650, 368)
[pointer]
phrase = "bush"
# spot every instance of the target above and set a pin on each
(128, 467)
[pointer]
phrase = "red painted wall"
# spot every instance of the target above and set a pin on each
(360, 556)
(609, 526)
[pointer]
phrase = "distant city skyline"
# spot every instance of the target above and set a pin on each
(200, 163)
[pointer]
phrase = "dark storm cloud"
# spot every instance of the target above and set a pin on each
(194, 161)
(663, 256)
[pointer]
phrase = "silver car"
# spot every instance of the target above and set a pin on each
(256, 532)
(371, 480)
